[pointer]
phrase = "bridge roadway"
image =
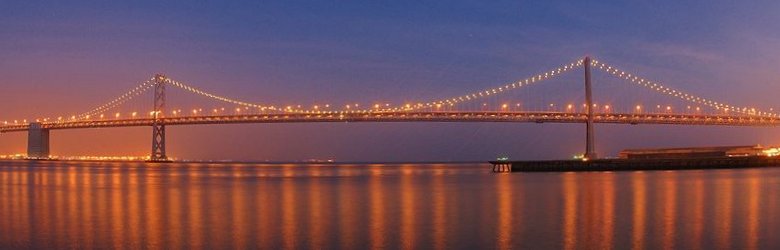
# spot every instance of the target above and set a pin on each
(443, 116)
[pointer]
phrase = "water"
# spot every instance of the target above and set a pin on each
(422, 206)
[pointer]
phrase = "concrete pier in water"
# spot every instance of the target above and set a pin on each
(635, 164)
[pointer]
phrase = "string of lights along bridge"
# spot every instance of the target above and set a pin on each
(478, 106)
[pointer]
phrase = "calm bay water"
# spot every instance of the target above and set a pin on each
(423, 206)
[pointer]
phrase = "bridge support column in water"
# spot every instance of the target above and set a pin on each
(590, 149)
(37, 142)
(158, 127)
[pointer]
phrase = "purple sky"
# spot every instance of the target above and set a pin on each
(66, 57)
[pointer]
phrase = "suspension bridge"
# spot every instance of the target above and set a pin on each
(441, 110)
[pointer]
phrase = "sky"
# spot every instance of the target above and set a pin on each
(63, 57)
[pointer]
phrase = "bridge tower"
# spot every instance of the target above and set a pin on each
(158, 126)
(590, 150)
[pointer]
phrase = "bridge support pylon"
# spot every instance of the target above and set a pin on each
(158, 126)
(590, 149)
(37, 142)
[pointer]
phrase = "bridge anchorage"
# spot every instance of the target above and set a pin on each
(37, 142)
(442, 110)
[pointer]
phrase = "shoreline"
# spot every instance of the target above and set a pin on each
(247, 162)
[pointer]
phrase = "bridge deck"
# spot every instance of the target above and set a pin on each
(488, 116)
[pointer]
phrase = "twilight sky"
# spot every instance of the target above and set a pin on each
(62, 57)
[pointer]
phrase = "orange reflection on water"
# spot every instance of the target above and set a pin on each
(377, 209)
(669, 211)
(696, 216)
(60, 205)
(570, 210)
(724, 209)
(84, 202)
(439, 209)
(175, 203)
(266, 210)
(239, 212)
(639, 212)
(195, 213)
(316, 210)
(133, 199)
(753, 209)
(408, 215)
(505, 197)
(153, 225)
(608, 190)
(348, 210)
(289, 212)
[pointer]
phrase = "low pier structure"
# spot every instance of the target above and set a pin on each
(638, 164)
(502, 167)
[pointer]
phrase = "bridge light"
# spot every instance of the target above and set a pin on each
(117, 115)
(134, 114)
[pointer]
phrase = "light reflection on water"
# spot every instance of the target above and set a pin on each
(440, 206)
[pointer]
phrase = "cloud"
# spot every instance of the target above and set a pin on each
(680, 52)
